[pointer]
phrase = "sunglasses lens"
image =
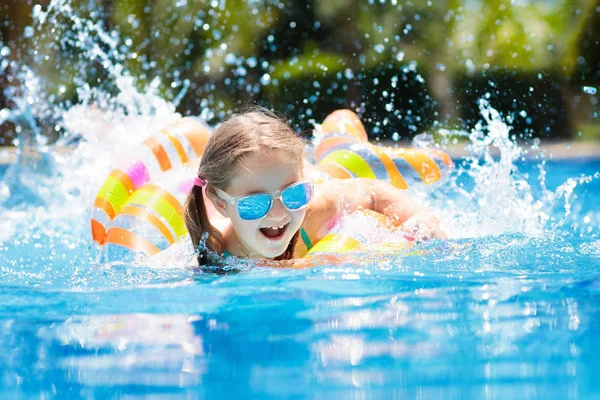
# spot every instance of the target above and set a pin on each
(254, 207)
(297, 196)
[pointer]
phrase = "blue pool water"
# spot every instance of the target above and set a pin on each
(506, 316)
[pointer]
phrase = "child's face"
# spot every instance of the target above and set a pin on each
(262, 173)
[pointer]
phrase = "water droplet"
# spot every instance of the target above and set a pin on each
(523, 113)
(379, 48)
(470, 65)
(4, 51)
(265, 79)
(251, 62)
(230, 59)
(400, 56)
(28, 33)
(590, 90)
(181, 3)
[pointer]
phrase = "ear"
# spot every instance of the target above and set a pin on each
(218, 202)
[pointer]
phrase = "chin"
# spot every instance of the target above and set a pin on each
(273, 253)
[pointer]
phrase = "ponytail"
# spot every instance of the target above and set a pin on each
(198, 225)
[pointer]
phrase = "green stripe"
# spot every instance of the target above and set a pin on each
(114, 192)
(305, 238)
(352, 162)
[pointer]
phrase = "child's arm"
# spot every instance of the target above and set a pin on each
(384, 198)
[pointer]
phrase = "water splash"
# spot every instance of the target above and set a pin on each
(487, 196)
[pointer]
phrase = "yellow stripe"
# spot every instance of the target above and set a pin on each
(352, 162)
(161, 202)
(125, 180)
(114, 192)
(335, 243)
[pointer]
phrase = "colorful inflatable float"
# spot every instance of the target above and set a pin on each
(139, 207)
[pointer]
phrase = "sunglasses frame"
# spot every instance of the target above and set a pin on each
(234, 200)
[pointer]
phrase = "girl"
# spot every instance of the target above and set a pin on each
(253, 172)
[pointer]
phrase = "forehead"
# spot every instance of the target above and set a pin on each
(265, 171)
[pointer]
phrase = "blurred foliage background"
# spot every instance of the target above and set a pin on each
(407, 66)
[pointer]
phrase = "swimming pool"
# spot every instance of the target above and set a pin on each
(507, 316)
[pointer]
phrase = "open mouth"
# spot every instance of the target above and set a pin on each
(274, 232)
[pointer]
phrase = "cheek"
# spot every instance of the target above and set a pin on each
(244, 227)
(298, 216)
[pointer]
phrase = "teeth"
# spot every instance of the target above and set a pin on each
(277, 227)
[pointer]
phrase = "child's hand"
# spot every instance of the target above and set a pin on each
(422, 226)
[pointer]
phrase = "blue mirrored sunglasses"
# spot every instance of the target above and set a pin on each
(255, 206)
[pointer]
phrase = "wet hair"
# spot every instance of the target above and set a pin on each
(239, 136)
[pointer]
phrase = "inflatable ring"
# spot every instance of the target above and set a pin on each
(343, 151)
(139, 207)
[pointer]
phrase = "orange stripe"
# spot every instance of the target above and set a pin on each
(198, 141)
(396, 178)
(167, 196)
(334, 170)
(442, 155)
(98, 232)
(131, 240)
(105, 206)
(159, 152)
(151, 218)
(328, 143)
(177, 144)
(346, 121)
(428, 170)
(124, 179)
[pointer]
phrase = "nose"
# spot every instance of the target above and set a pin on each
(278, 210)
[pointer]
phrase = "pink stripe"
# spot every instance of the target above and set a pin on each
(186, 186)
(138, 174)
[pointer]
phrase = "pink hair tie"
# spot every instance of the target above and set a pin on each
(199, 181)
